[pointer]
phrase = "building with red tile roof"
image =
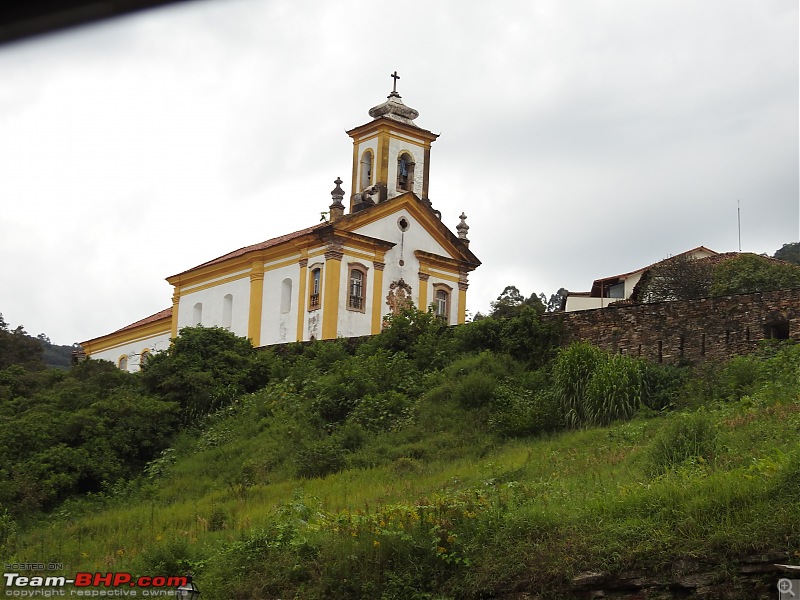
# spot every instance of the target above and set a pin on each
(338, 278)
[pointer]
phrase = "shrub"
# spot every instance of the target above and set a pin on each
(320, 458)
(595, 388)
(663, 384)
(691, 436)
(421, 335)
(472, 379)
(204, 369)
(572, 371)
(741, 376)
(531, 339)
(615, 390)
(382, 412)
(519, 412)
(342, 389)
(218, 520)
(167, 558)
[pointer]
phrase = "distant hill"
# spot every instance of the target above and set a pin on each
(17, 347)
(58, 357)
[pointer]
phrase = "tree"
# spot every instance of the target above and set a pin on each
(510, 302)
(678, 278)
(554, 304)
(18, 348)
(789, 253)
(748, 273)
(204, 369)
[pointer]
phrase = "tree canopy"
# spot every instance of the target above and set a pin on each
(748, 273)
(18, 348)
(789, 253)
(510, 302)
(204, 369)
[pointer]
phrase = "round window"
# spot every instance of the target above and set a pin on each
(403, 224)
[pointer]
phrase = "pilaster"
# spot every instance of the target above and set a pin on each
(423, 291)
(176, 300)
(301, 299)
(462, 298)
(377, 296)
(330, 300)
(256, 301)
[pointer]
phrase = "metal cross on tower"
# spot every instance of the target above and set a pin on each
(394, 76)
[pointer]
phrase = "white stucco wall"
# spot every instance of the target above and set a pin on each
(133, 350)
(352, 322)
(212, 300)
(279, 327)
(452, 315)
(414, 238)
(585, 303)
(631, 282)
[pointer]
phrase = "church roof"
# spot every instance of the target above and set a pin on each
(102, 341)
(343, 224)
(162, 314)
(256, 247)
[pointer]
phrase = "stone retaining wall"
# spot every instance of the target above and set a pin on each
(692, 330)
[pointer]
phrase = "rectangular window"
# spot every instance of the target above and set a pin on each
(356, 290)
(357, 287)
(441, 304)
(313, 298)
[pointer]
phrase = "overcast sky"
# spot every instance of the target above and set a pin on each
(583, 139)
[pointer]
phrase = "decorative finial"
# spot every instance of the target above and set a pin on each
(462, 229)
(394, 93)
(337, 193)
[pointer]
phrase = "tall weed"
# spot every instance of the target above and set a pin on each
(690, 437)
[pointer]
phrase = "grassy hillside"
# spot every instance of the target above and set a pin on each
(421, 465)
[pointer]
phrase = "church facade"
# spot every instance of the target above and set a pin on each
(338, 278)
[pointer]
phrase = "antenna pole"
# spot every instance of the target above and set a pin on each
(739, 219)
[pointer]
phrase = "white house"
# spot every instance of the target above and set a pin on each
(612, 289)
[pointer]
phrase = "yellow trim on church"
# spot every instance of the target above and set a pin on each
(301, 299)
(330, 300)
(256, 302)
(386, 138)
(113, 340)
(423, 292)
(377, 297)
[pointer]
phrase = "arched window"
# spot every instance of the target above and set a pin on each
(315, 289)
(405, 172)
(366, 170)
(286, 296)
(357, 289)
(123, 363)
(227, 310)
(145, 356)
(197, 314)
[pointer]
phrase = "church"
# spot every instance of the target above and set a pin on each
(338, 278)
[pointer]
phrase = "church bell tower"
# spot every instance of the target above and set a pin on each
(391, 154)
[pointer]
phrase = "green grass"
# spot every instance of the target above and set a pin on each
(528, 512)
(443, 507)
